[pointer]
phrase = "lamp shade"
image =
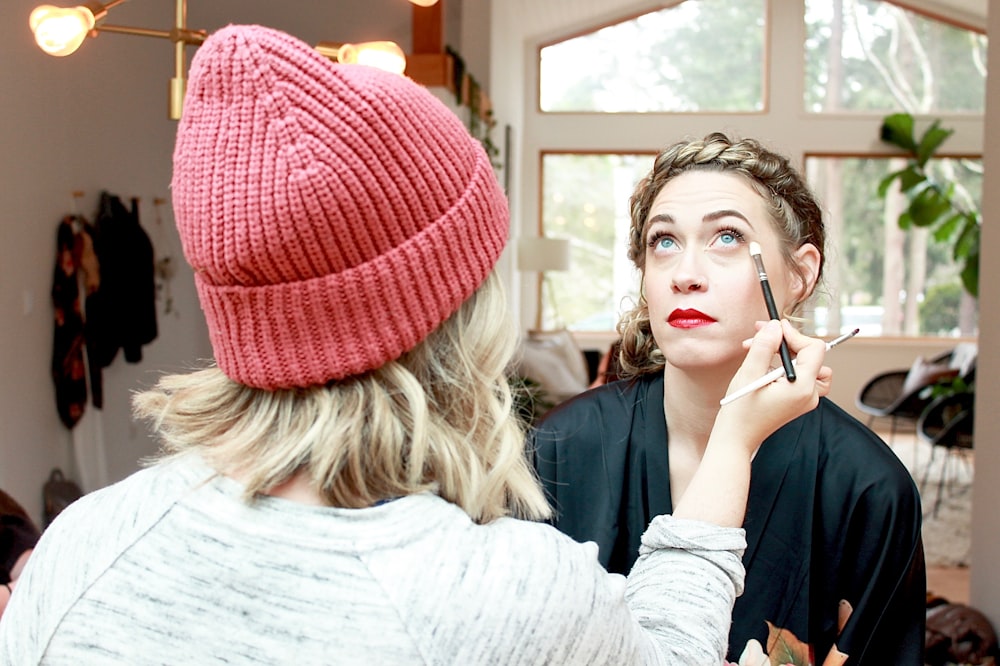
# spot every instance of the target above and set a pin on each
(543, 254)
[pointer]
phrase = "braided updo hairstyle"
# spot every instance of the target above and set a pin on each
(793, 208)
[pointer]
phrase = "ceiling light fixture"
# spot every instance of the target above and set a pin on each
(60, 31)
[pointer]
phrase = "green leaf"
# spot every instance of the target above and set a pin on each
(967, 243)
(897, 129)
(886, 183)
(927, 206)
(910, 177)
(947, 228)
(970, 275)
(931, 141)
(905, 221)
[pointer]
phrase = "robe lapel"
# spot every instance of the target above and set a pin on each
(768, 474)
(654, 444)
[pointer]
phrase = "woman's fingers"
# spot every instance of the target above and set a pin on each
(809, 356)
(778, 402)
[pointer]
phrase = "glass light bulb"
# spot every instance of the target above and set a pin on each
(59, 31)
(383, 55)
(424, 3)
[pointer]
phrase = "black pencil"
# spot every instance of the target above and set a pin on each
(772, 309)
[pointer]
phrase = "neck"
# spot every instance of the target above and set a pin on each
(299, 489)
(691, 402)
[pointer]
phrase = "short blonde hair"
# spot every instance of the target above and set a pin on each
(437, 419)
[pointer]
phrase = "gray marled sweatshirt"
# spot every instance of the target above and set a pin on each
(171, 567)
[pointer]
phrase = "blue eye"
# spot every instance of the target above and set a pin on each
(730, 237)
(661, 241)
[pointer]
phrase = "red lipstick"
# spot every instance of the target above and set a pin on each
(689, 319)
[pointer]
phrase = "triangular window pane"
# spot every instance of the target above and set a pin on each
(671, 60)
(871, 56)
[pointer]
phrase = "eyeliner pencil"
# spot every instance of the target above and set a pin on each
(772, 309)
(777, 372)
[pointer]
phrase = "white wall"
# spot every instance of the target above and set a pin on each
(98, 120)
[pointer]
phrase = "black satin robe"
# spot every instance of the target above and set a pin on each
(832, 515)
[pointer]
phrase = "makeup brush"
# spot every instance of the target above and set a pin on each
(777, 372)
(772, 309)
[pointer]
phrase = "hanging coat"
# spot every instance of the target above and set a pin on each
(71, 334)
(832, 515)
(124, 317)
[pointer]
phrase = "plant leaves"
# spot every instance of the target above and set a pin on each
(909, 178)
(967, 242)
(886, 183)
(931, 141)
(927, 206)
(930, 203)
(897, 129)
(947, 228)
(905, 221)
(970, 275)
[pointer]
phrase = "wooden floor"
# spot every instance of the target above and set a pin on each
(949, 583)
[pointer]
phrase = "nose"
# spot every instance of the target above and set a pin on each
(688, 277)
(688, 284)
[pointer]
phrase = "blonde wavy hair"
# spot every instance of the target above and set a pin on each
(438, 419)
(793, 209)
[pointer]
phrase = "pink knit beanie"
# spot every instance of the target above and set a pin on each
(334, 214)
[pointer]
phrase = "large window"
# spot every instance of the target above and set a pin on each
(865, 55)
(880, 278)
(669, 60)
(585, 199)
(861, 60)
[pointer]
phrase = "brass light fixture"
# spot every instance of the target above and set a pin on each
(60, 31)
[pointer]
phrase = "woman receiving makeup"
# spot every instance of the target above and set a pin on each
(834, 557)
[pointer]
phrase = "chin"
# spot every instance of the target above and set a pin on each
(704, 356)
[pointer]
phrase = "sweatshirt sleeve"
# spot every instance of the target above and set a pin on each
(673, 609)
(682, 588)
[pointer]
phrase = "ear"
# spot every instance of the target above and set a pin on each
(807, 259)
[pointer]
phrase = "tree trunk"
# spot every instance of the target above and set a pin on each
(968, 324)
(916, 278)
(892, 266)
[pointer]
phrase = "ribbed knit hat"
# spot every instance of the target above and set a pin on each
(334, 214)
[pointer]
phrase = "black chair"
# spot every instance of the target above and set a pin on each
(947, 424)
(903, 395)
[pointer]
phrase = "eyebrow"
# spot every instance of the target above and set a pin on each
(711, 217)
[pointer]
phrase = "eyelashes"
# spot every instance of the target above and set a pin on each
(655, 237)
(658, 235)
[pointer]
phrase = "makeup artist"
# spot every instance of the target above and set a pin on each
(834, 552)
(342, 487)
